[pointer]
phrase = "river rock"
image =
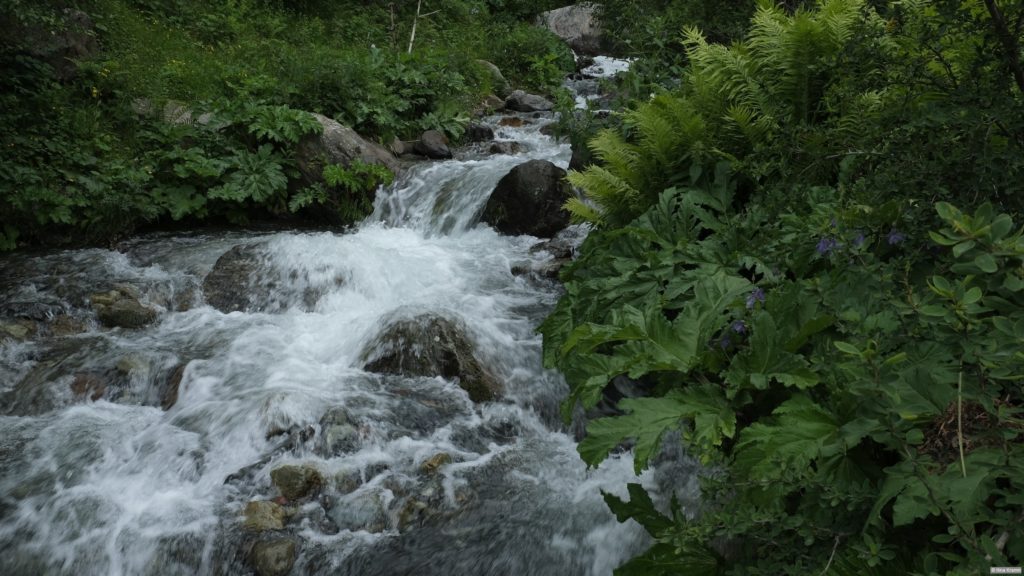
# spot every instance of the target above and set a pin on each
(245, 280)
(477, 132)
(262, 515)
(88, 386)
(501, 86)
(120, 308)
(433, 144)
(493, 104)
(529, 200)
(522, 102)
(338, 434)
(230, 285)
(273, 557)
(429, 345)
(434, 463)
(20, 329)
(577, 25)
(169, 392)
(338, 144)
(505, 148)
(512, 122)
(296, 482)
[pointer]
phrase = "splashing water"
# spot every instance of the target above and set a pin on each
(118, 486)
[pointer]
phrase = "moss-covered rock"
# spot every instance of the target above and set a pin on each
(296, 482)
(262, 515)
(273, 557)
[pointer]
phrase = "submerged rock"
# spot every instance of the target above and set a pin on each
(88, 386)
(169, 393)
(522, 102)
(429, 345)
(434, 463)
(529, 200)
(273, 557)
(245, 280)
(296, 482)
(505, 148)
(262, 515)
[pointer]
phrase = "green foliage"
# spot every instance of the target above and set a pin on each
(858, 386)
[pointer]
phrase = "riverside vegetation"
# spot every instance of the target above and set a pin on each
(807, 247)
(89, 153)
(809, 255)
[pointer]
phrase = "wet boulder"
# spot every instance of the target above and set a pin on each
(433, 144)
(296, 482)
(273, 557)
(263, 515)
(505, 147)
(477, 132)
(522, 102)
(338, 433)
(244, 279)
(429, 345)
(577, 25)
(121, 308)
(492, 104)
(529, 200)
(231, 285)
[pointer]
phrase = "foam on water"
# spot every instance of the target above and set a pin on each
(122, 487)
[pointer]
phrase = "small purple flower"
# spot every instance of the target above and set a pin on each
(754, 297)
(896, 237)
(724, 342)
(826, 245)
(739, 327)
(859, 240)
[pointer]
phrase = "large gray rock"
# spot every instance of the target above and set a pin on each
(522, 102)
(501, 86)
(577, 25)
(338, 144)
(429, 345)
(529, 200)
(433, 144)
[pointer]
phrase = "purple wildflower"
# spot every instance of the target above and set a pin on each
(896, 237)
(739, 327)
(859, 240)
(724, 342)
(826, 245)
(754, 297)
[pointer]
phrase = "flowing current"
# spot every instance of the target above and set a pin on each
(96, 478)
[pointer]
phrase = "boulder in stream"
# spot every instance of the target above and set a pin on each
(429, 345)
(477, 132)
(273, 557)
(263, 515)
(529, 200)
(522, 102)
(121, 308)
(244, 279)
(433, 144)
(505, 147)
(296, 482)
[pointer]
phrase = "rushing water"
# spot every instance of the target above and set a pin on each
(117, 485)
